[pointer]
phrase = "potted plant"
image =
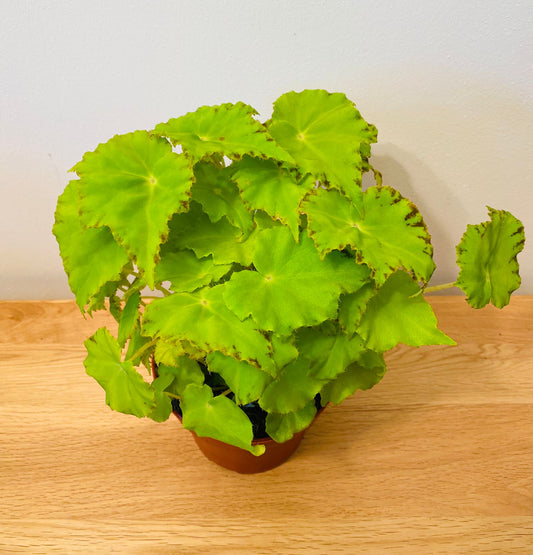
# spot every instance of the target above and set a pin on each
(250, 271)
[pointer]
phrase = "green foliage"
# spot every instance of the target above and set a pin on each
(487, 258)
(280, 278)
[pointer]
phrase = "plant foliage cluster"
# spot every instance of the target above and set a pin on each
(277, 272)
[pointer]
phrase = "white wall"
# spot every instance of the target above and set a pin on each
(449, 84)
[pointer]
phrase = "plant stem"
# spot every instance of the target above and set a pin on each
(165, 292)
(439, 287)
(144, 348)
(172, 395)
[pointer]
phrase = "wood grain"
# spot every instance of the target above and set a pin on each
(436, 459)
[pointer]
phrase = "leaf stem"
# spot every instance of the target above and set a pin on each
(140, 351)
(172, 395)
(439, 287)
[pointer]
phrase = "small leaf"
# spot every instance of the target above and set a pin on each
(388, 235)
(129, 319)
(217, 417)
(91, 257)
(395, 316)
(228, 129)
(203, 319)
(281, 427)
(224, 242)
(186, 272)
(133, 184)
(292, 286)
(329, 355)
(352, 307)
(487, 257)
(177, 377)
(125, 389)
(246, 381)
(324, 133)
(219, 196)
(358, 375)
(264, 185)
(136, 343)
(292, 389)
(163, 405)
(168, 353)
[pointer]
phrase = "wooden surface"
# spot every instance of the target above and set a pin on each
(435, 459)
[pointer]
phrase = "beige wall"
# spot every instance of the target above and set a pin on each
(449, 85)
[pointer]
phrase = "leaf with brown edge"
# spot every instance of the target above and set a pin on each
(487, 256)
(133, 184)
(388, 234)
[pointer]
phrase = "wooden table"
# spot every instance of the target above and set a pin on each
(436, 459)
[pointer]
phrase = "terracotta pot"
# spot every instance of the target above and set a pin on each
(243, 461)
(240, 460)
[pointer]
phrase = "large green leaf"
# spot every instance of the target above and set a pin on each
(487, 258)
(389, 235)
(186, 272)
(324, 133)
(246, 381)
(281, 427)
(226, 243)
(397, 314)
(228, 129)
(292, 286)
(219, 196)
(265, 185)
(204, 319)
(133, 184)
(364, 374)
(91, 256)
(217, 417)
(125, 389)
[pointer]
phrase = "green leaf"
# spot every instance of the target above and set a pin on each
(186, 272)
(163, 405)
(359, 375)
(292, 389)
(281, 427)
(125, 389)
(219, 196)
(283, 350)
(91, 257)
(180, 375)
(228, 129)
(329, 354)
(395, 316)
(203, 319)
(226, 243)
(324, 133)
(136, 343)
(217, 417)
(133, 184)
(168, 353)
(246, 381)
(389, 235)
(487, 257)
(265, 185)
(352, 307)
(129, 319)
(292, 286)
